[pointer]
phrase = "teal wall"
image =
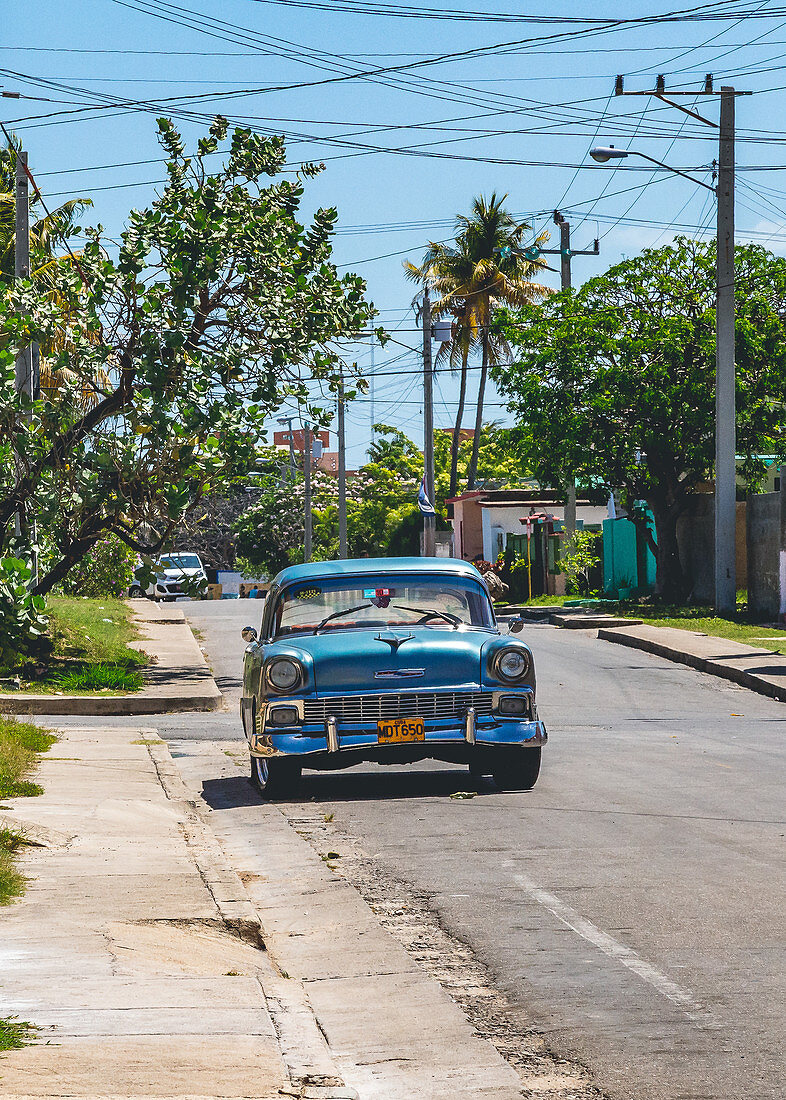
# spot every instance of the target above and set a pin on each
(628, 562)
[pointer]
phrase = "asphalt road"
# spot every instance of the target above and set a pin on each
(632, 904)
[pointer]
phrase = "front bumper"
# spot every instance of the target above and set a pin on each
(444, 738)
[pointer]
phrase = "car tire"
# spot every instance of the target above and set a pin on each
(136, 592)
(275, 778)
(517, 769)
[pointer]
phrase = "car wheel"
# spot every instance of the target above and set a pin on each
(517, 769)
(275, 778)
(136, 592)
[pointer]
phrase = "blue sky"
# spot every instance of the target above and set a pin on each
(516, 119)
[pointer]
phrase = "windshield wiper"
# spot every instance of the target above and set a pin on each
(338, 614)
(431, 612)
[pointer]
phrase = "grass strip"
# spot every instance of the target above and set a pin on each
(702, 621)
(95, 631)
(90, 651)
(15, 1033)
(20, 744)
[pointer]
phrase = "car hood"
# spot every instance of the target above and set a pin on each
(356, 660)
(179, 574)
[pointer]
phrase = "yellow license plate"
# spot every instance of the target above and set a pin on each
(400, 729)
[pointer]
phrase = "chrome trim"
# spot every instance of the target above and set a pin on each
(531, 713)
(261, 744)
(436, 705)
(332, 734)
(400, 674)
(280, 701)
(469, 726)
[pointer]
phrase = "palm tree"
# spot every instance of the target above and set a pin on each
(445, 270)
(489, 265)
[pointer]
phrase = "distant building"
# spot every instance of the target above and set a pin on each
(325, 460)
(281, 439)
(483, 518)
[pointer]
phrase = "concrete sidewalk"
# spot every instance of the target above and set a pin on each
(135, 949)
(760, 670)
(177, 680)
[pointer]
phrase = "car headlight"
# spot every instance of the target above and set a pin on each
(284, 673)
(511, 664)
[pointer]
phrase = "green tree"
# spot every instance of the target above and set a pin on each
(218, 305)
(489, 266)
(615, 381)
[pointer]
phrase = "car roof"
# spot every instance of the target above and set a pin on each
(355, 567)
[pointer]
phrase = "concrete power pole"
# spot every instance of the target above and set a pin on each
(342, 475)
(429, 521)
(307, 476)
(23, 374)
(24, 360)
(725, 429)
(565, 254)
(725, 396)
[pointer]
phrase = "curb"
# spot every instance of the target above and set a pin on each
(167, 637)
(726, 671)
(108, 705)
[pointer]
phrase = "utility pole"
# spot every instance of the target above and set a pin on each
(24, 360)
(429, 520)
(371, 387)
(342, 475)
(23, 373)
(307, 475)
(565, 254)
(292, 463)
(725, 418)
(725, 411)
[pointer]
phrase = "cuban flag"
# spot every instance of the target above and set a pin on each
(425, 505)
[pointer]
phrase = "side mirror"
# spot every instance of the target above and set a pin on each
(248, 634)
(515, 626)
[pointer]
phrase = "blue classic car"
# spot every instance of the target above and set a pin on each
(392, 660)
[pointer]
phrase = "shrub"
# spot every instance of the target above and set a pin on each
(578, 558)
(106, 570)
(23, 620)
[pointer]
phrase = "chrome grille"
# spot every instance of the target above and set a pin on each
(370, 708)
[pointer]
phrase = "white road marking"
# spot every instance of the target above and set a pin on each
(616, 950)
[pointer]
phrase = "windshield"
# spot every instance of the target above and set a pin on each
(181, 561)
(343, 603)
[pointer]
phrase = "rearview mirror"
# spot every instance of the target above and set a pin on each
(248, 634)
(515, 626)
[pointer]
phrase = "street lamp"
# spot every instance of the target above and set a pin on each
(604, 153)
(725, 427)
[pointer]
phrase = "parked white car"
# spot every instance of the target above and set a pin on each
(180, 574)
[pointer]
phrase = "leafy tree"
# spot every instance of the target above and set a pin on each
(489, 265)
(616, 381)
(216, 305)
